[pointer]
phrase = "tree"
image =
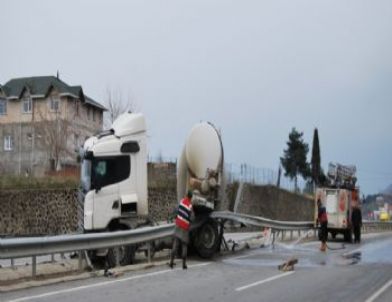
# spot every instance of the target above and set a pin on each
(294, 157)
(316, 160)
(56, 133)
(116, 105)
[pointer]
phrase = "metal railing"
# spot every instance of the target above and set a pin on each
(36, 246)
(12, 248)
(263, 222)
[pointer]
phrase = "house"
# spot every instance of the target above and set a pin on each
(43, 121)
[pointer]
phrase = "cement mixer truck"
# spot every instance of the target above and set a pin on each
(114, 183)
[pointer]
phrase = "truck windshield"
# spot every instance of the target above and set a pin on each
(85, 175)
(109, 170)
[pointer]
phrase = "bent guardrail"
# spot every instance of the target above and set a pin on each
(11, 248)
(263, 222)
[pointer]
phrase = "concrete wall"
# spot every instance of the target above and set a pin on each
(273, 203)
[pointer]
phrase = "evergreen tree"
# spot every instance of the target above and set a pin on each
(316, 159)
(294, 157)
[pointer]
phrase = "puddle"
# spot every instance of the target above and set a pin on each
(308, 255)
(274, 256)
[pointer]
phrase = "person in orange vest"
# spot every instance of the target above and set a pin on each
(322, 220)
(181, 231)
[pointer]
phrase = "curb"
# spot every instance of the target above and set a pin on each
(22, 284)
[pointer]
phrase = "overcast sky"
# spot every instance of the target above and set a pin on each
(253, 68)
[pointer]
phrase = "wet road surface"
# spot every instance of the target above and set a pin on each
(344, 273)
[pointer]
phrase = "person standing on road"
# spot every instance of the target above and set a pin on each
(181, 231)
(356, 221)
(322, 220)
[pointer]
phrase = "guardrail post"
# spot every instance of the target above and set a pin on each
(117, 252)
(283, 234)
(291, 235)
(315, 233)
(52, 258)
(299, 234)
(12, 263)
(149, 252)
(80, 261)
(34, 266)
(273, 239)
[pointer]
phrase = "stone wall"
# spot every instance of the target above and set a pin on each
(162, 203)
(55, 211)
(38, 212)
(273, 203)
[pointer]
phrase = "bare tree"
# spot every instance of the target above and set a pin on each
(56, 136)
(117, 104)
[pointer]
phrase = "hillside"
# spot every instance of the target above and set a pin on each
(388, 190)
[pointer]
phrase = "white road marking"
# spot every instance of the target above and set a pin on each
(68, 290)
(379, 291)
(263, 281)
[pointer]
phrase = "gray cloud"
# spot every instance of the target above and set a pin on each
(254, 68)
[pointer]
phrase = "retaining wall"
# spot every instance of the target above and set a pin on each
(55, 211)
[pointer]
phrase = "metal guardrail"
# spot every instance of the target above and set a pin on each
(11, 248)
(263, 222)
(369, 226)
(36, 246)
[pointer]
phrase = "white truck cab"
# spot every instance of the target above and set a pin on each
(114, 173)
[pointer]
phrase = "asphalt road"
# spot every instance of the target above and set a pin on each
(351, 273)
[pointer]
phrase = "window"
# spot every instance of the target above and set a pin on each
(109, 170)
(88, 113)
(93, 114)
(3, 106)
(8, 143)
(27, 105)
(54, 103)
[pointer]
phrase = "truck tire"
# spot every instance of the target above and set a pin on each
(125, 253)
(206, 239)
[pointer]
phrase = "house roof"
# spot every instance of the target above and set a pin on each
(41, 86)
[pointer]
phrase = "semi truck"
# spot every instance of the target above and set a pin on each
(114, 183)
(339, 196)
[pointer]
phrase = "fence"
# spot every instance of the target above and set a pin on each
(259, 176)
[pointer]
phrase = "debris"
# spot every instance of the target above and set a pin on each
(288, 265)
(108, 273)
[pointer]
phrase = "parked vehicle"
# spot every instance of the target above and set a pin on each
(339, 197)
(114, 182)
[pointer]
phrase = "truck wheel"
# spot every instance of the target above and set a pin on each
(125, 255)
(206, 240)
(348, 237)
